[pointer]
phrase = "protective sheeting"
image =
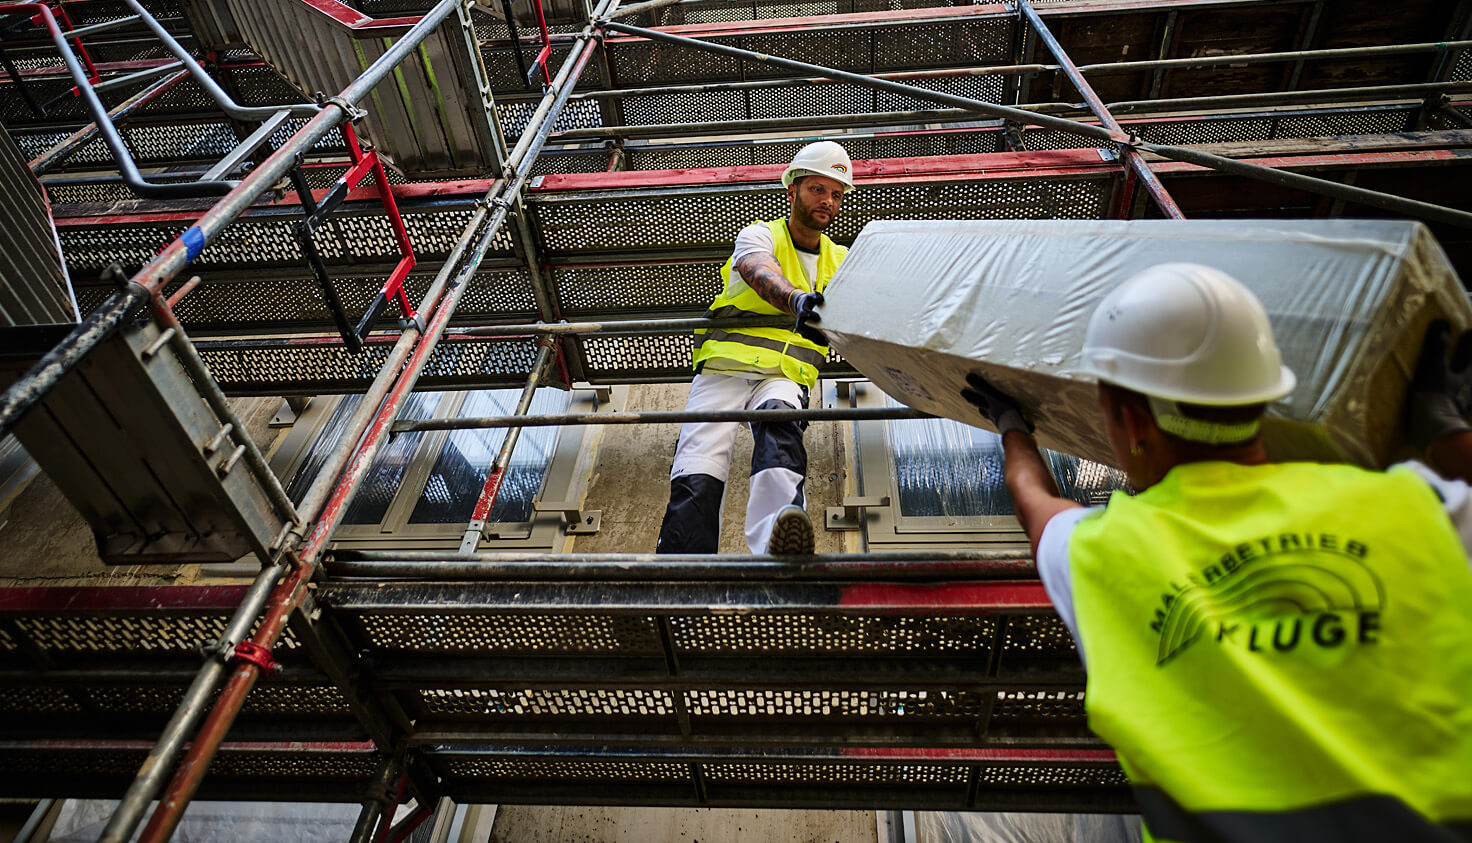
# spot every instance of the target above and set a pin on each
(949, 827)
(917, 305)
(952, 471)
(82, 820)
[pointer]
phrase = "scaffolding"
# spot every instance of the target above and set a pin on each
(934, 680)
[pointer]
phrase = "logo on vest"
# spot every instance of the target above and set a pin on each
(1275, 594)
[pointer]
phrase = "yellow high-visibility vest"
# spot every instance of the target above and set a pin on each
(1281, 652)
(769, 349)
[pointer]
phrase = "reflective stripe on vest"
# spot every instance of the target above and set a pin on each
(768, 349)
(732, 311)
(1279, 645)
(803, 355)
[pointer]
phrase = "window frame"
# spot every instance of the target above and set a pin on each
(885, 527)
(561, 481)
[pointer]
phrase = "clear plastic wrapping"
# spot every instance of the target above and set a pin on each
(950, 470)
(919, 304)
(977, 827)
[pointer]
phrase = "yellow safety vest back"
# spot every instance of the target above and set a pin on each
(1282, 652)
(769, 349)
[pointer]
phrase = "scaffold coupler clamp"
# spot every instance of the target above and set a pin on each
(500, 202)
(249, 651)
(352, 113)
(245, 651)
(413, 320)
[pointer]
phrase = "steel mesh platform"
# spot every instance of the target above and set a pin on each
(297, 771)
(1086, 781)
(869, 40)
(781, 694)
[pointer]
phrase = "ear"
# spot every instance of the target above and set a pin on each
(792, 190)
(1139, 425)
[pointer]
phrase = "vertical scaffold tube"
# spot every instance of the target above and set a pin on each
(147, 283)
(291, 591)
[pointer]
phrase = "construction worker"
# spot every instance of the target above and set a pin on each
(777, 267)
(1275, 651)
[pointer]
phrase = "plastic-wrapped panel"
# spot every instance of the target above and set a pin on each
(918, 305)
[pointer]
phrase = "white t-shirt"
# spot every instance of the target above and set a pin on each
(758, 238)
(755, 238)
(1052, 556)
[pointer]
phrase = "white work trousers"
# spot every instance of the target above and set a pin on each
(778, 460)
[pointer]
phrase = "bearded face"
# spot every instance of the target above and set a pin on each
(815, 201)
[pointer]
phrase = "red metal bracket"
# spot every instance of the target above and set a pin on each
(248, 651)
(66, 21)
(364, 162)
(393, 288)
(545, 54)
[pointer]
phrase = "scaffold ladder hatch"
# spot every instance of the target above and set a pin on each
(130, 435)
(437, 118)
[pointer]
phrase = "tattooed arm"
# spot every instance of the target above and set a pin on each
(763, 274)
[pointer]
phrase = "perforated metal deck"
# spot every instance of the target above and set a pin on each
(628, 245)
(724, 693)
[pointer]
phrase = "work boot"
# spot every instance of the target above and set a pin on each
(792, 533)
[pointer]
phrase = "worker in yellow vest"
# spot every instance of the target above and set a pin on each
(1277, 652)
(777, 267)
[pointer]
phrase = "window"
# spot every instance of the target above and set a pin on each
(422, 487)
(943, 479)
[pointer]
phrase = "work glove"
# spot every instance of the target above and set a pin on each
(1441, 391)
(805, 305)
(995, 406)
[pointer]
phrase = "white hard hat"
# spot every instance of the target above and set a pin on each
(1186, 332)
(822, 158)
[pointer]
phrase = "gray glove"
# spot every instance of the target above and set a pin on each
(1441, 391)
(805, 306)
(995, 406)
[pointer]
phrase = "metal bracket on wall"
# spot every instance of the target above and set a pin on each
(580, 522)
(848, 516)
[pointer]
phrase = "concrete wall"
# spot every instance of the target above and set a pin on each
(526, 824)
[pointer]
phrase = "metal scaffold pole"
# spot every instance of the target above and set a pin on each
(325, 503)
(275, 583)
(518, 420)
(997, 563)
(1134, 161)
(491, 489)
